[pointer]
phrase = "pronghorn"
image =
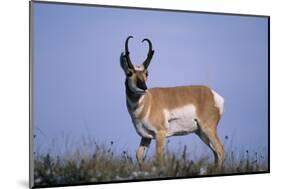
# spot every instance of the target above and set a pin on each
(158, 113)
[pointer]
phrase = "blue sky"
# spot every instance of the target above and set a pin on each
(79, 87)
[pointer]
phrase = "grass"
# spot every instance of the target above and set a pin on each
(105, 165)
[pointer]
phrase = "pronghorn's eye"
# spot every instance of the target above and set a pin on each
(146, 73)
(129, 74)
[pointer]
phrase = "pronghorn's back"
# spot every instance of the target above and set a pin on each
(174, 97)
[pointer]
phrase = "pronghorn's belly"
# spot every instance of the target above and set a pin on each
(181, 121)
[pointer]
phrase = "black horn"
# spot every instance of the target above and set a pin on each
(127, 53)
(149, 55)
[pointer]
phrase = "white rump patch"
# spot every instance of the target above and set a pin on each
(219, 101)
(181, 121)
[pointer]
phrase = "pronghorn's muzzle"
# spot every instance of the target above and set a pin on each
(142, 85)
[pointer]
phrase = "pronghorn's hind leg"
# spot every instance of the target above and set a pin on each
(144, 144)
(208, 135)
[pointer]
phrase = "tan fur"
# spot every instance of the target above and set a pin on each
(170, 98)
(158, 99)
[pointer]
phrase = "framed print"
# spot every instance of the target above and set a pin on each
(125, 94)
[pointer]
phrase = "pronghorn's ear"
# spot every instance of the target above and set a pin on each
(124, 63)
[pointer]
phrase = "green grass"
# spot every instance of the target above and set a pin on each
(106, 165)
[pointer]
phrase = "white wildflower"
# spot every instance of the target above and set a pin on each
(203, 171)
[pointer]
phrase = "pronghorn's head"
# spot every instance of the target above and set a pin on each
(136, 75)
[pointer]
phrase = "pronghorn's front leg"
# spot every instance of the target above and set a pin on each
(160, 145)
(141, 151)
